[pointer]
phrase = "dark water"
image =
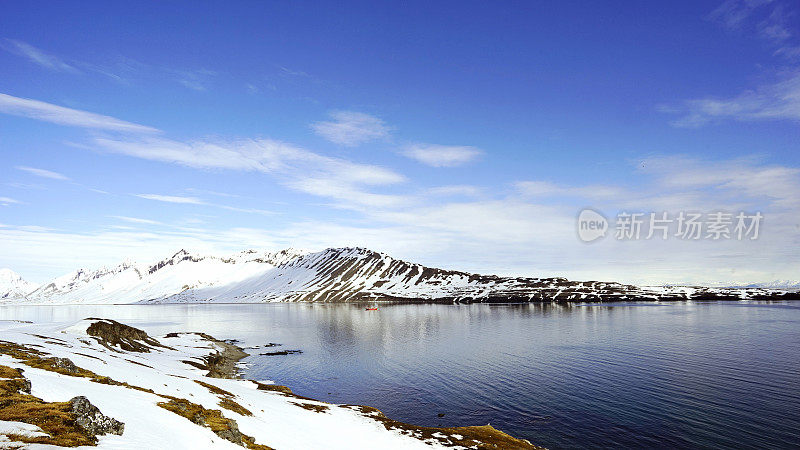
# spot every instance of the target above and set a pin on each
(703, 375)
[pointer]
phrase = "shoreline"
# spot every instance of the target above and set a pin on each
(224, 365)
(132, 380)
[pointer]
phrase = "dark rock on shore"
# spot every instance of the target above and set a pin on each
(281, 353)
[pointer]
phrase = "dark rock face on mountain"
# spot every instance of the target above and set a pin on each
(343, 275)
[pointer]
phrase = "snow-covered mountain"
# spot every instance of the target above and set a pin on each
(12, 285)
(777, 284)
(338, 275)
(129, 283)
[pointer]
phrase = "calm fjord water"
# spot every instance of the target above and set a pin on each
(679, 375)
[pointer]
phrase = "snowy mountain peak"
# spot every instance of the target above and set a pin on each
(178, 257)
(8, 275)
(13, 286)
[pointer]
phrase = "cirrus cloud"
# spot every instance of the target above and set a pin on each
(350, 128)
(442, 155)
(48, 112)
(38, 56)
(43, 173)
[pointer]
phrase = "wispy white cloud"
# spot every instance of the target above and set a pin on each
(541, 189)
(137, 220)
(172, 199)
(348, 195)
(15, 185)
(769, 20)
(456, 190)
(293, 73)
(733, 14)
(215, 193)
(263, 212)
(776, 101)
(5, 201)
(442, 155)
(35, 228)
(674, 183)
(121, 69)
(49, 112)
(295, 167)
(351, 128)
(185, 200)
(43, 173)
(775, 27)
(745, 179)
(197, 80)
(38, 56)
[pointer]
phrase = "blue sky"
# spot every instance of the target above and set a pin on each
(464, 135)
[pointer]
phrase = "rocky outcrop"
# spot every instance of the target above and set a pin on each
(92, 420)
(112, 334)
(64, 364)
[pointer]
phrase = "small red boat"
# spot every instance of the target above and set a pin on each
(372, 309)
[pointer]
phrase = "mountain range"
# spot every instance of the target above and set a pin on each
(332, 275)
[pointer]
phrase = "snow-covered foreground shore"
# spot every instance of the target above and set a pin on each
(160, 390)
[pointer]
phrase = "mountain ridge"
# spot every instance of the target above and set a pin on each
(344, 274)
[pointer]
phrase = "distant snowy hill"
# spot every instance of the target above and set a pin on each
(777, 284)
(13, 286)
(337, 275)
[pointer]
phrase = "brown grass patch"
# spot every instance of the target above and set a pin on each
(54, 418)
(231, 405)
(10, 372)
(312, 407)
(274, 387)
(226, 399)
(214, 389)
(211, 419)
